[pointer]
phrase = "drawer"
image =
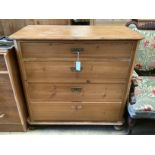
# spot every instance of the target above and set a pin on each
(6, 95)
(4, 78)
(2, 63)
(75, 111)
(47, 92)
(9, 115)
(98, 49)
(63, 71)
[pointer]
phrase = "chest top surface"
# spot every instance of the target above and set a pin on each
(50, 32)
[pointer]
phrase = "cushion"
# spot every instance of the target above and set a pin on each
(145, 56)
(144, 97)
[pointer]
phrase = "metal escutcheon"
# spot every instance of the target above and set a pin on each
(76, 89)
(76, 50)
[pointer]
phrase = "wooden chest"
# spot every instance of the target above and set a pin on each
(12, 110)
(56, 93)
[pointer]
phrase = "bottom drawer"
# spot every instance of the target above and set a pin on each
(75, 111)
(6, 95)
(9, 115)
(11, 127)
(4, 78)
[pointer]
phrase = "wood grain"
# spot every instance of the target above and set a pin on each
(2, 63)
(15, 80)
(11, 96)
(46, 64)
(10, 115)
(47, 92)
(10, 26)
(126, 93)
(11, 127)
(4, 78)
(92, 72)
(63, 49)
(50, 32)
(75, 111)
(6, 95)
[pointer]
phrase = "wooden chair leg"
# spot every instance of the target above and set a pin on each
(131, 123)
(31, 127)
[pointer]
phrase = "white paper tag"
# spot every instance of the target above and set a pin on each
(78, 65)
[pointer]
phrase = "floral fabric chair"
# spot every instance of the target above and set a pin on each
(142, 94)
(145, 57)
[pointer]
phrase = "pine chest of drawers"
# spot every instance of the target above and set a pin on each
(59, 94)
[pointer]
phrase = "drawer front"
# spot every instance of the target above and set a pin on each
(75, 111)
(6, 94)
(112, 49)
(4, 78)
(47, 92)
(2, 63)
(9, 115)
(63, 71)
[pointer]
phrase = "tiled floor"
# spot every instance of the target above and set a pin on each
(72, 130)
(142, 127)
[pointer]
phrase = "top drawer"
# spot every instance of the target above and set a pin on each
(66, 49)
(2, 63)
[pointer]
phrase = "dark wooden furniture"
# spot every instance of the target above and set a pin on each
(12, 109)
(143, 24)
(56, 93)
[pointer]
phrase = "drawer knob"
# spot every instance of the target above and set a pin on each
(77, 107)
(76, 50)
(2, 115)
(76, 89)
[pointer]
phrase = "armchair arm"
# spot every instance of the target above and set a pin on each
(134, 74)
(134, 78)
(134, 83)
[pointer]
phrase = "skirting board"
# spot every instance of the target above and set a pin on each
(73, 123)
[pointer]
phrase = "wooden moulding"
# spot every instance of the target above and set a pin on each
(74, 123)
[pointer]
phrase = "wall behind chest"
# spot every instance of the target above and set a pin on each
(9, 26)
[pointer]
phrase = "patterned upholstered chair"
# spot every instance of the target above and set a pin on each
(142, 93)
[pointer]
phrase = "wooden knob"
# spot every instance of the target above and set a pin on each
(2, 115)
(77, 107)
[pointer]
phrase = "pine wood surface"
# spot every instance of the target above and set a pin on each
(55, 92)
(50, 32)
(12, 103)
